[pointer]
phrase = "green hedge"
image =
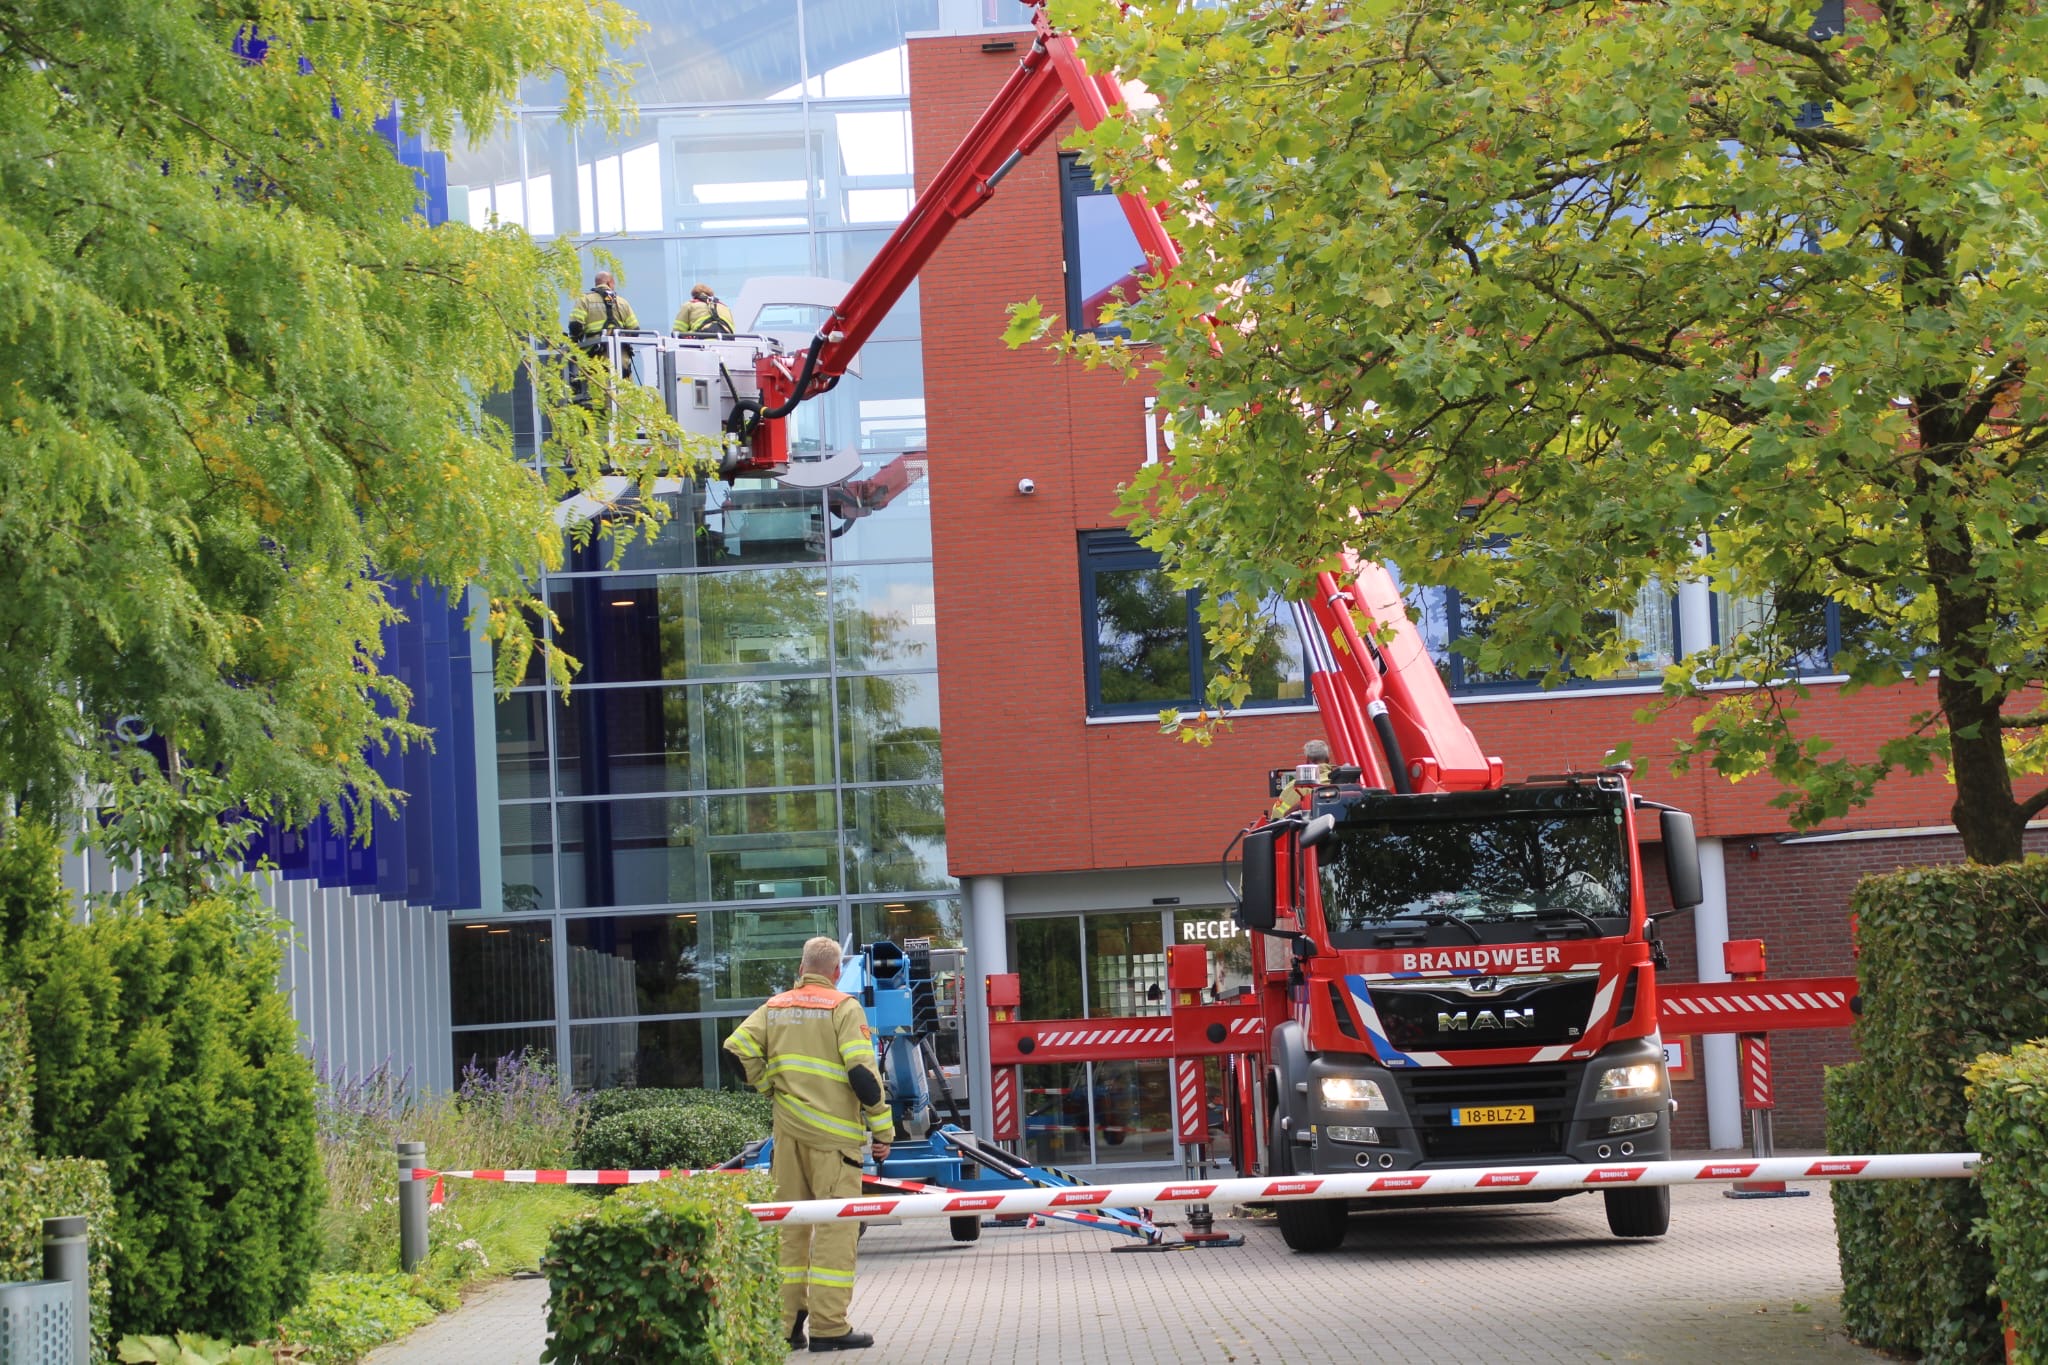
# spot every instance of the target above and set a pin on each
(696, 1133)
(676, 1273)
(2009, 1122)
(1950, 967)
(599, 1105)
(32, 1188)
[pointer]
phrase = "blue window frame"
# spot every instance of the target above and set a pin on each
(1142, 637)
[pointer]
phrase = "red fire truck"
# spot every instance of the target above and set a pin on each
(1458, 970)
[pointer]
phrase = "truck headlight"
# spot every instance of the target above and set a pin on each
(1350, 1092)
(1627, 1082)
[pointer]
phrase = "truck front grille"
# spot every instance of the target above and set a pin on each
(1432, 1094)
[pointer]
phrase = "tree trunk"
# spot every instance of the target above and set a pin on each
(1985, 813)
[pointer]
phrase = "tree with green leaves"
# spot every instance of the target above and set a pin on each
(1736, 292)
(242, 379)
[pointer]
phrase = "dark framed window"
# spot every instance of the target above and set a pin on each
(1142, 637)
(1812, 629)
(1104, 260)
(1445, 616)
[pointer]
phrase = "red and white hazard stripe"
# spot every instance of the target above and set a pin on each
(1106, 1037)
(1003, 1100)
(1945, 1165)
(1189, 1096)
(1758, 1001)
(1756, 1071)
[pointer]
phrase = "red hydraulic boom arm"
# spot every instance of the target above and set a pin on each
(1382, 700)
(1050, 82)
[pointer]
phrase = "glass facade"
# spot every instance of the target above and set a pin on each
(750, 753)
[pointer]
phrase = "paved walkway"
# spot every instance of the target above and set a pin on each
(1735, 1280)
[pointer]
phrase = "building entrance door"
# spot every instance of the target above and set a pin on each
(1109, 964)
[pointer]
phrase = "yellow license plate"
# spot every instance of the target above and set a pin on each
(1479, 1115)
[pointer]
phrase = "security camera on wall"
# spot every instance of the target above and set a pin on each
(1026, 487)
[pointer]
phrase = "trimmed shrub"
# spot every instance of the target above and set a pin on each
(33, 1189)
(2009, 1122)
(676, 1273)
(700, 1133)
(1950, 967)
(165, 1050)
(603, 1104)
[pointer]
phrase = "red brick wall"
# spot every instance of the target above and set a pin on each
(1030, 787)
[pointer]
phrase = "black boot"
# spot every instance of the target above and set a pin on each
(796, 1333)
(852, 1341)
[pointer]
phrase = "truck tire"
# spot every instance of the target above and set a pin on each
(1312, 1224)
(1639, 1213)
(966, 1228)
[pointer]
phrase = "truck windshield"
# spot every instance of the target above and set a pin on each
(1501, 867)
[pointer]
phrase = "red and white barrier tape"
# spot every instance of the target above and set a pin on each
(1366, 1185)
(561, 1177)
(648, 1177)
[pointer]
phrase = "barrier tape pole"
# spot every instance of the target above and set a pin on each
(1259, 1189)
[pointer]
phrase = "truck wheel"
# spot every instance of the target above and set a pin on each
(1639, 1213)
(1312, 1224)
(966, 1229)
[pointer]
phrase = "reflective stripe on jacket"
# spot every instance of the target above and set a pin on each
(591, 312)
(704, 317)
(799, 1049)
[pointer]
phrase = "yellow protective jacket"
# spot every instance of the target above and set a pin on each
(593, 317)
(801, 1049)
(704, 317)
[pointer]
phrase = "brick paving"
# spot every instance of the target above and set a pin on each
(1735, 1280)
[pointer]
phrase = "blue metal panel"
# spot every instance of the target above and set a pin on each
(428, 853)
(460, 742)
(438, 711)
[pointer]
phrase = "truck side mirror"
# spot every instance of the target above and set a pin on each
(1318, 830)
(1681, 859)
(1255, 901)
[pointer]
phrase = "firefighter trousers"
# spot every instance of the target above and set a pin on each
(817, 1261)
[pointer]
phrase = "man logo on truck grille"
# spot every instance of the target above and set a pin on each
(1478, 1021)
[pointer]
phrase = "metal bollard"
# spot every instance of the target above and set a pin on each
(64, 1260)
(412, 1206)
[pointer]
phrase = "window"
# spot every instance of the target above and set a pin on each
(1444, 616)
(1104, 260)
(1810, 630)
(1142, 637)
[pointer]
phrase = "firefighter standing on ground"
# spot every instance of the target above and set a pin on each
(703, 314)
(810, 1050)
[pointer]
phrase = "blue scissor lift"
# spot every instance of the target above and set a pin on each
(895, 988)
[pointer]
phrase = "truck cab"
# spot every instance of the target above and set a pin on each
(1468, 980)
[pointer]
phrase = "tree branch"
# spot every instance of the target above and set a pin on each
(2032, 806)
